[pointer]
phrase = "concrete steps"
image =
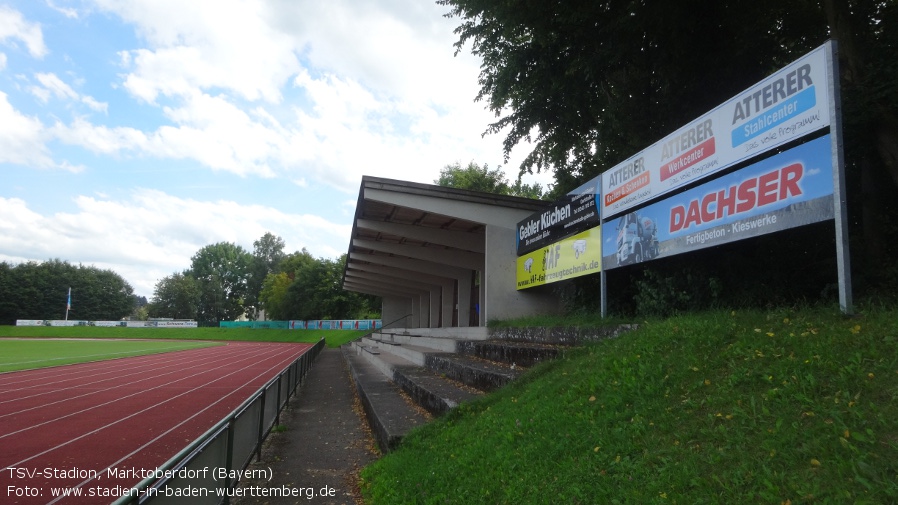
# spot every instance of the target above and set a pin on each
(405, 375)
(389, 415)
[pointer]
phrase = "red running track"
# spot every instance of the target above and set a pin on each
(61, 426)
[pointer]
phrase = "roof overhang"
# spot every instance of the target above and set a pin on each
(409, 237)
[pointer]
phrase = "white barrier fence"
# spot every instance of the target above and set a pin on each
(121, 324)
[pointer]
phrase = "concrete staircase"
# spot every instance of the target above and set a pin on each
(406, 376)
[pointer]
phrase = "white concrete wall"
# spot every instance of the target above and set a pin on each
(502, 298)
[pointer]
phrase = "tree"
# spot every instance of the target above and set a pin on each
(176, 296)
(35, 290)
(589, 83)
(268, 252)
(222, 271)
(294, 262)
(273, 296)
(309, 288)
(476, 178)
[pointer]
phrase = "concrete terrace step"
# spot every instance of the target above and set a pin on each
(469, 370)
(431, 391)
(444, 344)
(477, 373)
(560, 336)
(525, 354)
(436, 394)
(467, 333)
(389, 414)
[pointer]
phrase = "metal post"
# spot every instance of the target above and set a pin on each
(229, 458)
(277, 410)
(603, 287)
(261, 426)
(843, 259)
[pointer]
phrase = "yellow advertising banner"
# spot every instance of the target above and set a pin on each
(577, 255)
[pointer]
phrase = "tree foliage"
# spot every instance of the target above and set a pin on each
(268, 252)
(222, 272)
(176, 296)
(309, 288)
(35, 290)
(274, 296)
(476, 178)
(225, 282)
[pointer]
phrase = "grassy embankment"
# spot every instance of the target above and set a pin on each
(746, 407)
(96, 343)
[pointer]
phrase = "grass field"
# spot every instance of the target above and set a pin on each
(334, 338)
(24, 347)
(23, 354)
(779, 407)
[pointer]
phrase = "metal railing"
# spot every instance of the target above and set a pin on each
(384, 327)
(202, 472)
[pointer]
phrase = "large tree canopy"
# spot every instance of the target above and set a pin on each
(40, 291)
(176, 296)
(268, 252)
(310, 288)
(222, 272)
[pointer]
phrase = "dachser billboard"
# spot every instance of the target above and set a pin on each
(790, 189)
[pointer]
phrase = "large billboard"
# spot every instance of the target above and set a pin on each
(580, 254)
(790, 189)
(789, 104)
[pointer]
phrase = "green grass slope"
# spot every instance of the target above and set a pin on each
(745, 407)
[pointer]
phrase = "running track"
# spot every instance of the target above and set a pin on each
(123, 413)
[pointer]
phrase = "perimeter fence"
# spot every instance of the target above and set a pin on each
(205, 469)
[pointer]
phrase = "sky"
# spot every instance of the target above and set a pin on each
(135, 132)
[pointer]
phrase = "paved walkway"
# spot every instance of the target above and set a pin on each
(324, 446)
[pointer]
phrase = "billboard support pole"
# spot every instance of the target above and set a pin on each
(843, 259)
(603, 287)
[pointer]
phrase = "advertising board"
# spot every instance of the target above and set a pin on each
(30, 322)
(790, 189)
(791, 103)
(580, 254)
(569, 215)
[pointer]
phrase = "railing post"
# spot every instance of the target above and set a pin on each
(229, 458)
(289, 383)
(277, 410)
(261, 428)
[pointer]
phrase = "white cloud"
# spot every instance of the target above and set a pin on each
(94, 104)
(98, 138)
(209, 44)
(2, 61)
(145, 237)
(67, 12)
(14, 27)
(52, 85)
(22, 138)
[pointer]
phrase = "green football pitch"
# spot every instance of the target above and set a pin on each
(23, 354)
